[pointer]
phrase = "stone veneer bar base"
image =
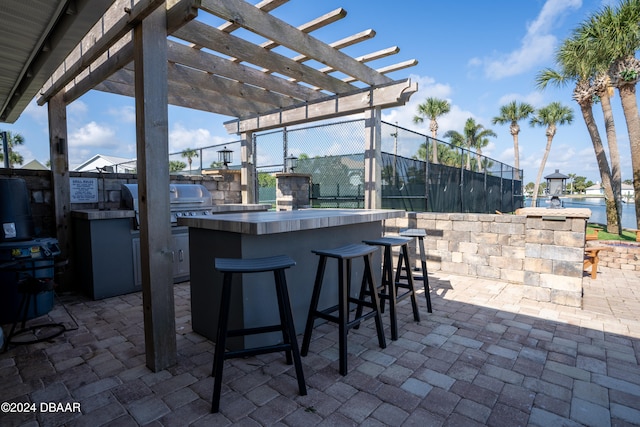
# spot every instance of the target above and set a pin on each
(541, 249)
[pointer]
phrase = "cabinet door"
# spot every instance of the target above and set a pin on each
(181, 257)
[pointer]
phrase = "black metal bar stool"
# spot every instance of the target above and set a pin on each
(229, 266)
(344, 255)
(388, 290)
(421, 234)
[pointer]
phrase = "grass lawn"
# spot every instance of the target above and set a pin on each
(603, 235)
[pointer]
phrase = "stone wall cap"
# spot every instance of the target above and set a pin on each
(562, 212)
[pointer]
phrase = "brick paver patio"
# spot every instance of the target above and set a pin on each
(485, 356)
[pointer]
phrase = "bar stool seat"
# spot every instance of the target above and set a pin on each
(421, 234)
(344, 256)
(388, 290)
(230, 266)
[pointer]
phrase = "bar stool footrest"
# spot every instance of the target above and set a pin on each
(254, 331)
(232, 354)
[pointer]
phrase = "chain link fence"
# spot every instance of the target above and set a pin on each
(195, 161)
(333, 154)
(459, 180)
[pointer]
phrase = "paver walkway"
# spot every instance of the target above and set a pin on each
(486, 356)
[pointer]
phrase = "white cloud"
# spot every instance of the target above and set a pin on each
(94, 135)
(181, 138)
(77, 109)
(537, 45)
(536, 99)
(125, 114)
(38, 113)
(427, 87)
(91, 139)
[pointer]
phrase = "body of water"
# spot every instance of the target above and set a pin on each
(596, 204)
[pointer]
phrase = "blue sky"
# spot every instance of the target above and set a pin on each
(479, 55)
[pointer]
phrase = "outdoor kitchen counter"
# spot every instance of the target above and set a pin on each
(259, 223)
(261, 234)
(96, 214)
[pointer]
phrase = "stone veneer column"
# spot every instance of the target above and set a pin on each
(292, 191)
(554, 254)
(227, 187)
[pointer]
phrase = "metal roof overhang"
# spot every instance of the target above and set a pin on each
(35, 38)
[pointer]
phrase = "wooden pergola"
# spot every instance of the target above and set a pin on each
(162, 52)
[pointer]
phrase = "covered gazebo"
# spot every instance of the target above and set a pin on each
(166, 52)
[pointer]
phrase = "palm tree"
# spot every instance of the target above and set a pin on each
(176, 165)
(472, 137)
(480, 144)
(14, 157)
(512, 113)
(577, 63)
(614, 37)
(572, 177)
(189, 154)
(550, 117)
(432, 108)
(456, 139)
(604, 91)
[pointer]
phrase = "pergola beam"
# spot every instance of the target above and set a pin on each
(227, 44)
(124, 89)
(383, 96)
(365, 58)
(186, 95)
(194, 58)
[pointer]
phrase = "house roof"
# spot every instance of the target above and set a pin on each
(112, 160)
(34, 165)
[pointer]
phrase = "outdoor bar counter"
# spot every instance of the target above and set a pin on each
(260, 234)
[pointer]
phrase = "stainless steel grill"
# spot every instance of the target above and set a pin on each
(185, 200)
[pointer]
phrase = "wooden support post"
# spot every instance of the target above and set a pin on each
(373, 159)
(150, 56)
(59, 155)
(248, 177)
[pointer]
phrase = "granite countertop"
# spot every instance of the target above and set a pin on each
(239, 207)
(259, 223)
(96, 214)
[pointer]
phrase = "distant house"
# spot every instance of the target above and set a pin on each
(111, 163)
(34, 165)
(627, 192)
(595, 190)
